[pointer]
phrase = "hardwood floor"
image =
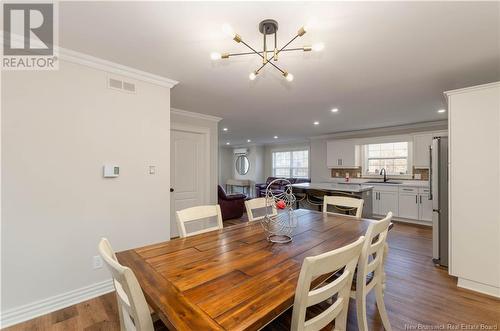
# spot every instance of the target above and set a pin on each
(417, 293)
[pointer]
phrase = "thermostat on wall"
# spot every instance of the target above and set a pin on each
(111, 171)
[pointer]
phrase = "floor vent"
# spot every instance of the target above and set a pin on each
(120, 85)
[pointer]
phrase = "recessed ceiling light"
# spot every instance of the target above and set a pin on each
(228, 143)
(316, 123)
(275, 137)
(442, 111)
(334, 110)
(224, 129)
(249, 141)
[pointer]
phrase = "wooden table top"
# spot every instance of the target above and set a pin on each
(233, 279)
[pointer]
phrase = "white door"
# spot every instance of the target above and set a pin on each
(388, 202)
(408, 206)
(188, 159)
(425, 207)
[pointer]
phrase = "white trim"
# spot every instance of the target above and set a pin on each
(72, 56)
(51, 304)
(181, 112)
(479, 287)
(471, 88)
(387, 131)
(174, 126)
(115, 68)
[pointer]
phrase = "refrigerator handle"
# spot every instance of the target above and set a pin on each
(430, 173)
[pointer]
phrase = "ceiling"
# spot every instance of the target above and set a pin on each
(384, 63)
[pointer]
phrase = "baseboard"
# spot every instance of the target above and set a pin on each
(45, 306)
(471, 285)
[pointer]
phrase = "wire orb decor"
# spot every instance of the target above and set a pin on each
(279, 225)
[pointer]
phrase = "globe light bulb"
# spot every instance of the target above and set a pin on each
(318, 47)
(252, 75)
(228, 30)
(215, 56)
(288, 76)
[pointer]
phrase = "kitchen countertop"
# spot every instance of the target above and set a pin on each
(408, 183)
(341, 187)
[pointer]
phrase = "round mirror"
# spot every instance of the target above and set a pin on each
(242, 165)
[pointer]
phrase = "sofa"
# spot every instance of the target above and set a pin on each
(277, 187)
(231, 205)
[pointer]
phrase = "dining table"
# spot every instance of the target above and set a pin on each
(234, 278)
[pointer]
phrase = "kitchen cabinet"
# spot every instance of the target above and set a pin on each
(408, 205)
(425, 205)
(414, 203)
(342, 154)
(421, 143)
(385, 199)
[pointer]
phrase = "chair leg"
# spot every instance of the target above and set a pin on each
(361, 311)
(379, 295)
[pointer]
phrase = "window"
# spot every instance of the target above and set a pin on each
(391, 156)
(291, 164)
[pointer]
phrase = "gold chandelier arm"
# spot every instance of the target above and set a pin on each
(304, 49)
(262, 56)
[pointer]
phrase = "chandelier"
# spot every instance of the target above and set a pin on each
(269, 55)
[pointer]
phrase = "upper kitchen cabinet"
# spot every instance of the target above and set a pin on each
(342, 154)
(421, 144)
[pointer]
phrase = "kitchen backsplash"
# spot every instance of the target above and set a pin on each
(354, 172)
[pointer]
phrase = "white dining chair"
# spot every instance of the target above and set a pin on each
(343, 203)
(345, 257)
(198, 213)
(258, 203)
(133, 309)
(370, 272)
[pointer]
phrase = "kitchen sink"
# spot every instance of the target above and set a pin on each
(382, 182)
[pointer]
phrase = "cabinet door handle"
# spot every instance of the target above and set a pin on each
(420, 199)
(416, 199)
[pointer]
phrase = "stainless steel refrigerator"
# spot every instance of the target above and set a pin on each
(438, 177)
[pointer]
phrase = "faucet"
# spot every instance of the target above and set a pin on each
(385, 174)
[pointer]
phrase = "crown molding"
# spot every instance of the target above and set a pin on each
(90, 61)
(186, 113)
(387, 131)
(115, 68)
(471, 88)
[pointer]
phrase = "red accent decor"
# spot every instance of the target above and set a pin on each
(280, 204)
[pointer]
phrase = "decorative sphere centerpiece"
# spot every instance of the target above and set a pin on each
(280, 219)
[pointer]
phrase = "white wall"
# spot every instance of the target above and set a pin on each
(58, 129)
(474, 225)
(225, 165)
(228, 170)
(205, 121)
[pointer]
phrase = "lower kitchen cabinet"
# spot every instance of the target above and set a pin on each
(405, 202)
(408, 205)
(385, 199)
(425, 208)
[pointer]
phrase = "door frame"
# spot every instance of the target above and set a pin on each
(205, 132)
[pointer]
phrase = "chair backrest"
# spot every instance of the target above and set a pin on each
(132, 306)
(198, 213)
(345, 257)
(371, 258)
(258, 203)
(341, 203)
